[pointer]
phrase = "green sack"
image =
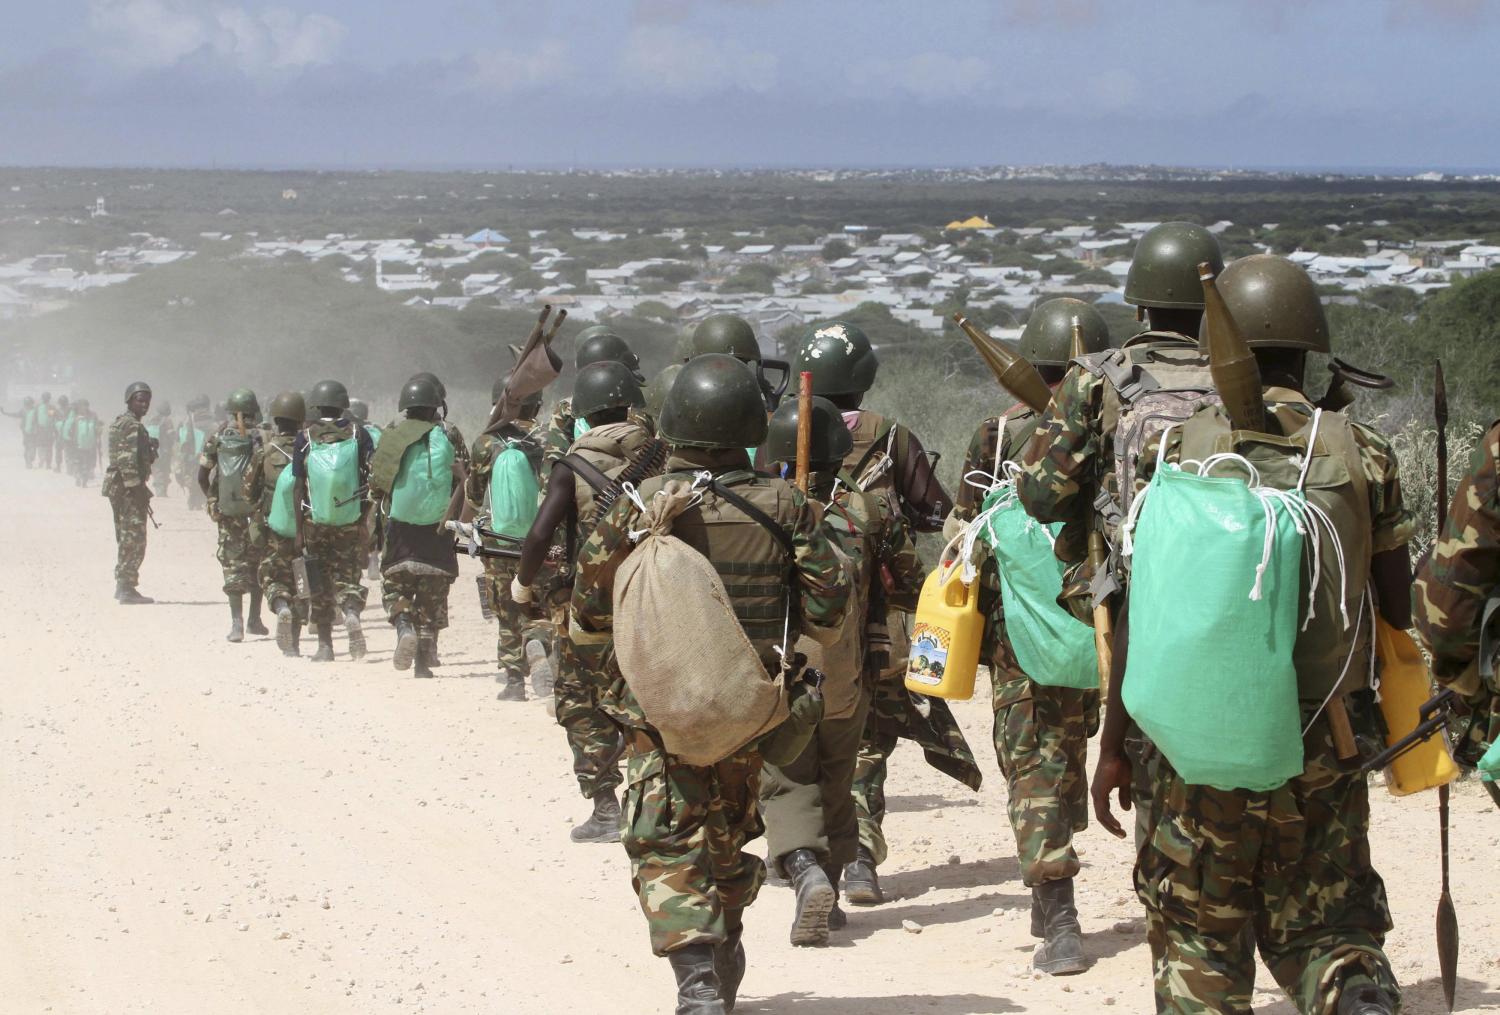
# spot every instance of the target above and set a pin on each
(233, 459)
(424, 482)
(374, 432)
(281, 518)
(85, 434)
(1213, 622)
(1052, 646)
(513, 493)
(1489, 765)
(153, 430)
(67, 426)
(332, 479)
(580, 427)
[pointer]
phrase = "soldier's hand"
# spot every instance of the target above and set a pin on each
(213, 511)
(141, 493)
(1110, 775)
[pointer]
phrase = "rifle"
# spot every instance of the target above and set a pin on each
(1104, 623)
(1447, 917)
(1338, 396)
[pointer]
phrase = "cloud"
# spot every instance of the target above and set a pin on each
(508, 70)
(156, 34)
(666, 59)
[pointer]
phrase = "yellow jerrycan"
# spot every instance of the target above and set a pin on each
(945, 635)
(1404, 686)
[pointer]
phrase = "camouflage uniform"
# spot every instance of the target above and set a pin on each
(130, 459)
(191, 436)
(686, 826)
(165, 432)
(86, 447)
(339, 549)
(516, 625)
(1041, 732)
(271, 456)
(1286, 870)
(808, 803)
(242, 540)
(44, 434)
(1453, 587)
(562, 431)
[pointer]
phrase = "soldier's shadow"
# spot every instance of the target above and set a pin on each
(190, 602)
(864, 922)
(927, 802)
(1001, 871)
(1424, 997)
(895, 1004)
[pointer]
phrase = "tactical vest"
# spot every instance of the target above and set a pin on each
(878, 453)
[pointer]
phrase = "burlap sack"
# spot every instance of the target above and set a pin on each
(697, 678)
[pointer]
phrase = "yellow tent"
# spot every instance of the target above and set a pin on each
(973, 222)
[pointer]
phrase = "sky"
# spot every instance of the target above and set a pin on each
(750, 83)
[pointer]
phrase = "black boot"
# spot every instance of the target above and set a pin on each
(425, 652)
(698, 990)
(604, 824)
(236, 617)
(254, 625)
(286, 627)
(428, 648)
(814, 897)
(324, 654)
(861, 884)
(406, 642)
(355, 631)
(1038, 925)
(1358, 995)
(729, 960)
(540, 666)
(1061, 952)
(512, 686)
(126, 595)
(837, 918)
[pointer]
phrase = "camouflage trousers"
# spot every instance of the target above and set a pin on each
(275, 572)
(241, 546)
(685, 829)
(424, 596)
(1286, 870)
(1041, 742)
(593, 737)
(517, 627)
(340, 554)
(161, 477)
(130, 537)
(809, 804)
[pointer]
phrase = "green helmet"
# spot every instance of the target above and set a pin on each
(130, 392)
(289, 405)
(1047, 339)
(605, 385)
(591, 331)
(82, 403)
(164, 407)
(62, 401)
(606, 345)
(839, 357)
(359, 409)
(831, 439)
(428, 375)
(242, 400)
(328, 394)
(1275, 304)
(656, 391)
(715, 402)
(1164, 270)
(421, 392)
(726, 333)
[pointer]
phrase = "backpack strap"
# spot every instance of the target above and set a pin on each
(1116, 366)
(757, 515)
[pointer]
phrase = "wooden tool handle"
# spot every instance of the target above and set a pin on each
(1343, 733)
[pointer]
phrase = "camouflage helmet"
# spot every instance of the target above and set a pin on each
(656, 390)
(421, 392)
(831, 440)
(605, 385)
(1275, 304)
(359, 409)
(606, 345)
(726, 333)
(242, 400)
(839, 357)
(130, 391)
(289, 405)
(329, 395)
(715, 402)
(1047, 339)
(1164, 270)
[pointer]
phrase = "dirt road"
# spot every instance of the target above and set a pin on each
(192, 826)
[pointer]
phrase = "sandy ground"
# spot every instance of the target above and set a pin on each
(193, 826)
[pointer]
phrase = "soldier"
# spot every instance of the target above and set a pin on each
(412, 476)
(595, 344)
(689, 825)
(656, 389)
(85, 443)
(811, 827)
(604, 394)
(276, 514)
(46, 430)
(130, 456)
(1288, 870)
(733, 336)
(1041, 732)
(1072, 455)
(164, 430)
(359, 412)
(886, 456)
(1455, 596)
(27, 416)
(518, 627)
(222, 468)
(331, 465)
(191, 436)
(63, 446)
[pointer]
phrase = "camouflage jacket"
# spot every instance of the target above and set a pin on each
(270, 457)
(130, 455)
(822, 580)
(1462, 574)
(560, 434)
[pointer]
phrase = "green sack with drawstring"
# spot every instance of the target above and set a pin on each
(513, 493)
(1213, 622)
(332, 482)
(282, 517)
(424, 482)
(1052, 646)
